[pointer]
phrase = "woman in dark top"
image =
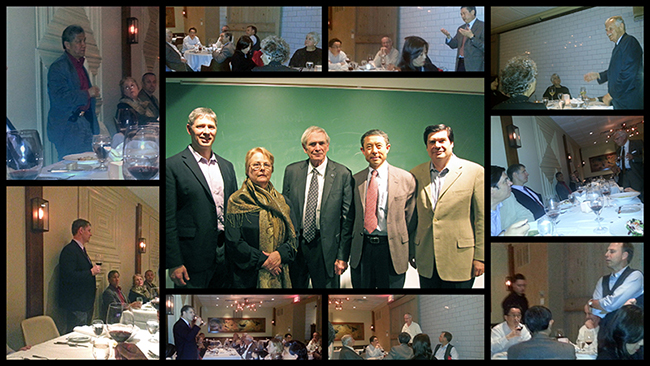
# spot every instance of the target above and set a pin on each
(422, 347)
(242, 60)
(518, 81)
(260, 236)
(621, 334)
(414, 56)
(310, 53)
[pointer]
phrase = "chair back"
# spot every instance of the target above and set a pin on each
(38, 329)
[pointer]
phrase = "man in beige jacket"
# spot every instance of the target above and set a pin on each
(447, 245)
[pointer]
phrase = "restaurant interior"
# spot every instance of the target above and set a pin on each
(361, 29)
(125, 237)
(559, 276)
(566, 40)
(580, 146)
(262, 316)
(364, 316)
(112, 53)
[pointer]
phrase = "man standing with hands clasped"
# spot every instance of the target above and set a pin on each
(448, 243)
(469, 40)
(322, 192)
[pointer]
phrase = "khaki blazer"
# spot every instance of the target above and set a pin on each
(401, 204)
(452, 235)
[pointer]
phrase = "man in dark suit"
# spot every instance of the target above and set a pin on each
(71, 121)
(527, 197)
(325, 222)
(221, 57)
(113, 293)
(77, 277)
(384, 203)
(469, 40)
(347, 351)
(198, 185)
(174, 60)
(185, 331)
(541, 346)
(624, 76)
(629, 162)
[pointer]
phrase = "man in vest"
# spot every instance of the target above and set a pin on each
(444, 350)
(622, 285)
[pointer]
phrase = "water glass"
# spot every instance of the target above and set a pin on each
(24, 154)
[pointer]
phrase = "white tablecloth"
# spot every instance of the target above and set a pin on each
(147, 312)
(555, 105)
(575, 222)
(221, 354)
(51, 350)
(195, 59)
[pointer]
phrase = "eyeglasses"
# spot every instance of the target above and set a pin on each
(258, 166)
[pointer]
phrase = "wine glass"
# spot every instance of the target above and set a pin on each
(595, 199)
(102, 147)
(126, 117)
(98, 327)
(99, 259)
(605, 188)
(119, 322)
(152, 327)
(551, 92)
(24, 154)
(552, 209)
(141, 153)
(589, 338)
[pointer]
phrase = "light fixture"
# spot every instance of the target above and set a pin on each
(132, 30)
(338, 302)
(142, 245)
(40, 214)
(514, 140)
(169, 304)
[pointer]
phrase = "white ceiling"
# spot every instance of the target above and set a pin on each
(362, 302)
(149, 195)
(585, 130)
(267, 301)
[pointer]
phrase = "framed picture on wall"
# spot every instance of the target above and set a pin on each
(353, 329)
(236, 325)
(602, 162)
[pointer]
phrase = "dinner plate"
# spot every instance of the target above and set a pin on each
(629, 209)
(617, 228)
(78, 339)
(83, 158)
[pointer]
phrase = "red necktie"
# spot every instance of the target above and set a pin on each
(370, 215)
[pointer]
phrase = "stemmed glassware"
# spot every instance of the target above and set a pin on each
(552, 209)
(141, 153)
(152, 327)
(102, 147)
(24, 154)
(606, 189)
(596, 203)
(119, 322)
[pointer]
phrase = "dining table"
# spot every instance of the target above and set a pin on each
(580, 355)
(196, 59)
(78, 345)
(577, 105)
(579, 220)
(145, 313)
(83, 166)
(221, 354)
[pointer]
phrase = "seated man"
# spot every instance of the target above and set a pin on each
(559, 89)
(541, 346)
(403, 351)
(510, 332)
(507, 216)
(527, 197)
(562, 189)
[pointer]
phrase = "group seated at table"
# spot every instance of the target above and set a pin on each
(262, 348)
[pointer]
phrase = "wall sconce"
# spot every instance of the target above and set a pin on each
(132, 30)
(169, 304)
(514, 140)
(142, 245)
(40, 214)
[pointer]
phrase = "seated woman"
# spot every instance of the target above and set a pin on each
(140, 110)
(310, 53)
(139, 289)
(275, 52)
(414, 56)
(260, 235)
(242, 60)
(518, 81)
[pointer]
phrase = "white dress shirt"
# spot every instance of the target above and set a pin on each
(212, 174)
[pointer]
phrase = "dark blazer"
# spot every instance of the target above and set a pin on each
(348, 354)
(624, 76)
(221, 58)
(109, 296)
(633, 177)
(519, 102)
(532, 205)
(474, 48)
(173, 60)
(562, 190)
(76, 282)
(337, 207)
(191, 215)
(185, 341)
(66, 98)
(243, 248)
(541, 347)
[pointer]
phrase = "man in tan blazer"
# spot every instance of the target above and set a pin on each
(448, 243)
(380, 240)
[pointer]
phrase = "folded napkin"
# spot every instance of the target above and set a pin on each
(85, 330)
(128, 351)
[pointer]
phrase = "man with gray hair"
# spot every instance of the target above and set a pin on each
(347, 350)
(558, 88)
(71, 121)
(624, 76)
(629, 163)
(198, 185)
(322, 191)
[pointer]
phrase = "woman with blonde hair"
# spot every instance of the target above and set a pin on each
(260, 235)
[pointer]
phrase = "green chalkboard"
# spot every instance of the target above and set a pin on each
(275, 117)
